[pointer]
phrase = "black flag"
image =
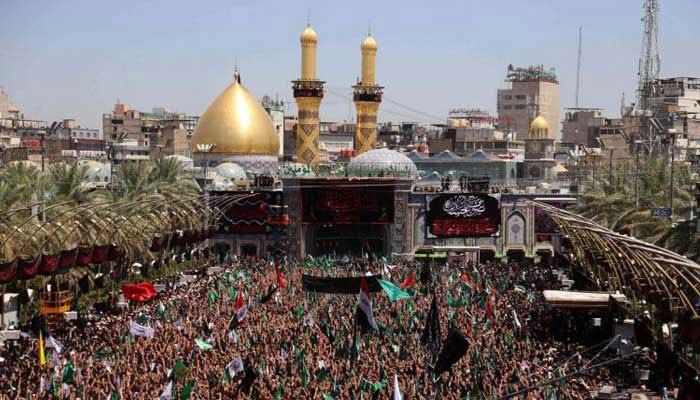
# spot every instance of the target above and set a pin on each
(431, 331)
(455, 347)
(248, 377)
(84, 284)
(270, 291)
(100, 282)
(425, 274)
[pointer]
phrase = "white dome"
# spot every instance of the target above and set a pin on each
(385, 160)
(231, 171)
(96, 171)
(187, 162)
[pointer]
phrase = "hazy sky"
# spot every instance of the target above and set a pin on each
(73, 59)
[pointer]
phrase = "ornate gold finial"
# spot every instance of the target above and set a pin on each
(236, 74)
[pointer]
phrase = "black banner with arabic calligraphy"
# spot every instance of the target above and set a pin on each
(361, 204)
(462, 215)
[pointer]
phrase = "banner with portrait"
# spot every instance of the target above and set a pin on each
(462, 215)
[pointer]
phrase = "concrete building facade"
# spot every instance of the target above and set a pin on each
(529, 90)
(582, 125)
(275, 108)
(162, 132)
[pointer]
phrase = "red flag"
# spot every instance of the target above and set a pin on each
(465, 279)
(409, 281)
(139, 292)
(239, 301)
(280, 279)
(489, 307)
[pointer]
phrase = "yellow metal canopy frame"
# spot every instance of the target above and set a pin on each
(668, 280)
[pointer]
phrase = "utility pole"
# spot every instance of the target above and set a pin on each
(578, 64)
(610, 162)
(672, 132)
(636, 176)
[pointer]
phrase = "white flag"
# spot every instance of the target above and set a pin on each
(235, 366)
(516, 321)
(233, 336)
(140, 330)
(397, 390)
(241, 313)
(55, 344)
(168, 392)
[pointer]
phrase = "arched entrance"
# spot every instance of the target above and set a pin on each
(348, 239)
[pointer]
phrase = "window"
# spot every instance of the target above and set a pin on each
(507, 107)
(508, 97)
(520, 97)
(520, 106)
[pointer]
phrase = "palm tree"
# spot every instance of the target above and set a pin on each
(611, 203)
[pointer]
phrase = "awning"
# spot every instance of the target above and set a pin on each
(580, 300)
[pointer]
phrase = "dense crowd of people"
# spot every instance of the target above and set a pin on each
(295, 344)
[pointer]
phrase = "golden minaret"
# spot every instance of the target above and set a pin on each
(308, 92)
(367, 96)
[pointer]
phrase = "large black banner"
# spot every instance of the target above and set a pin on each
(344, 285)
(462, 215)
(348, 205)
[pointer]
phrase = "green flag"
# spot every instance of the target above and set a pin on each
(392, 291)
(213, 296)
(53, 388)
(520, 289)
(160, 312)
(203, 345)
(232, 293)
(460, 302)
(304, 375)
(186, 390)
(68, 373)
(179, 370)
(279, 392)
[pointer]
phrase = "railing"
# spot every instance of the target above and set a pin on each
(55, 302)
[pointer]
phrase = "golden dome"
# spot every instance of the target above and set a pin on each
(308, 36)
(237, 124)
(539, 127)
(369, 43)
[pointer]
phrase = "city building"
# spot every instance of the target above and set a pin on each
(529, 90)
(7, 109)
(468, 130)
(275, 108)
(679, 95)
(161, 131)
(502, 172)
(582, 125)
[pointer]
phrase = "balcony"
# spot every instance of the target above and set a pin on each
(55, 302)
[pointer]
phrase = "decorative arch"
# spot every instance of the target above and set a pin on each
(516, 229)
